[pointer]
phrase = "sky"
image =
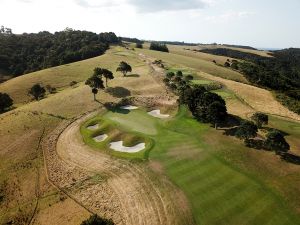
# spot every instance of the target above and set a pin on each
(257, 23)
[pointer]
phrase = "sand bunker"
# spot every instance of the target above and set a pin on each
(129, 107)
(156, 113)
(93, 127)
(118, 146)
(100, 138)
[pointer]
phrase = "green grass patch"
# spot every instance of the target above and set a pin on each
(116, 129)
(219, 192)
(224, 93)
(201, 82)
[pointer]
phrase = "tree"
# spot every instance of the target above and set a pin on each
(96, 220)
(227, 64)
(107, 74)
(276, 141)
(159, 47)
(5, 101)
(37, 91)
(166, 80)
(216, 112)
(246, 130)
(177, 79)
(260, 119)
(170, 75)
(124, 68)
(139, 45)
(188, 78)
(179, 73)
(95, 82)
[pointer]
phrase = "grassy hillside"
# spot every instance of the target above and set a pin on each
(225, 182)
(195, 63)
(23, 181)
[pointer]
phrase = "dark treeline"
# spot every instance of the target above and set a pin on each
(157, 46)
(133, 40)
(233, 54)
(280, 72)
(20, 54)
(178, 43)
(239, 46)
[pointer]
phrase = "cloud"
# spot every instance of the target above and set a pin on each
(167, 5)
(97, 4)
(146, 5)
(229, 16)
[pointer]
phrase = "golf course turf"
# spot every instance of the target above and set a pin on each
(192, 157)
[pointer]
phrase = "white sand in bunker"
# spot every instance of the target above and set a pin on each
(100, 138)
(93, 127)
(118, 146)
(129, 107)
(156, 113)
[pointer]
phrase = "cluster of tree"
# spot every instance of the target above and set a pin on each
(177, 81)
(205, 106)
(20, 54)
(280, 72)
(133, 40)
(97, 220)
(96, 80)
(211, 108)
(274, 140)
(159, 47)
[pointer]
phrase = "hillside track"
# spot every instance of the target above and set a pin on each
(129, 193)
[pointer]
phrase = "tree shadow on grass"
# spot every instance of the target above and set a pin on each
(291, 158)
(115, 108)
(118, 92)
(269, 129)
(133, 75)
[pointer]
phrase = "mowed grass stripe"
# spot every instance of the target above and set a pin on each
(218, 192)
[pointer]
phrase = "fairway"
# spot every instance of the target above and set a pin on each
(219, 192)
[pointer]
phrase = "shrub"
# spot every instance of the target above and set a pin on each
(5, 101)
(159, 47)
(73, 83)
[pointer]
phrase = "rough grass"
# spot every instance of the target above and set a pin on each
(61, 76)
(195, 63)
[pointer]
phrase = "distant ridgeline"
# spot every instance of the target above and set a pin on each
(280, 72)
(20, 54)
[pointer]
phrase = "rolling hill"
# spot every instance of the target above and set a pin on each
(192, 173)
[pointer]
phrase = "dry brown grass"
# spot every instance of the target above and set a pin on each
(259, 99)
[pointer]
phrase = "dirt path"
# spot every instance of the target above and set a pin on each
(129, 193)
